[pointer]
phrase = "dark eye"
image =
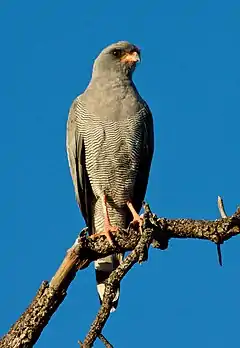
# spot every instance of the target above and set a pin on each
(117, 52)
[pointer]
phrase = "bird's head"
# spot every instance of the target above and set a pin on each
(118, 58)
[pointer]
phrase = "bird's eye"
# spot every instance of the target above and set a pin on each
(117, 52)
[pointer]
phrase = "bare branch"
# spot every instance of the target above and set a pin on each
(26, 331)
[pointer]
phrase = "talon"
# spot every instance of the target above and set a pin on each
(137, 219)
(108, 228)
(107, 232)
(104, 233)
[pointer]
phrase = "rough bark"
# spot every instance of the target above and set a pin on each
(27, 329)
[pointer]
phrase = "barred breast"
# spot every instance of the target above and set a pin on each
(112, 156)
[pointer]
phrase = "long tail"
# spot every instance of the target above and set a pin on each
(103, 268)
(106, 265)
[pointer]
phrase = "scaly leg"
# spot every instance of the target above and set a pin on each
(108, 228)
(138, 220)
(136, 217)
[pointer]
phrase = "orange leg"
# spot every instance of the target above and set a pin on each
(108, 228)
(137, 220)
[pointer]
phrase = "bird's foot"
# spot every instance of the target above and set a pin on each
(108, 230)
(137, 219)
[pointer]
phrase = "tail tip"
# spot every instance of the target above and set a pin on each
(114, 305)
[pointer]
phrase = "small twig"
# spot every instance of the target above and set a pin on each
(219, 253)
(102, 338)
(105, 341)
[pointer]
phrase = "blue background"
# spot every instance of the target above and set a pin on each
(190, 77)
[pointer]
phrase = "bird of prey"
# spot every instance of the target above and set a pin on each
(110, 148)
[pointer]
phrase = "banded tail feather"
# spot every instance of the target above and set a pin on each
(103, 269)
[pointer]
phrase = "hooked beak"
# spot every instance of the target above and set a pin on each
(132, 57)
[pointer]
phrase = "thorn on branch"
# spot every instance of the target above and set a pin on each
(223, 216)
(221, 208)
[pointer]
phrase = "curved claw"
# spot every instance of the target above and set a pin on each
(137, 219)
(108, 228)
(107, 233)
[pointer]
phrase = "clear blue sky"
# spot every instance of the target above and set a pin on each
(190, 77)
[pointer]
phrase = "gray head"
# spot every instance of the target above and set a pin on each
(119, 59)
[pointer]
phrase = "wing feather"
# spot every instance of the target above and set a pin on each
(146, 154)
(77, 162)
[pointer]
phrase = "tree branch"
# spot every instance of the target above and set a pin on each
(26, 331)
(138, 254)
(105, 341)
